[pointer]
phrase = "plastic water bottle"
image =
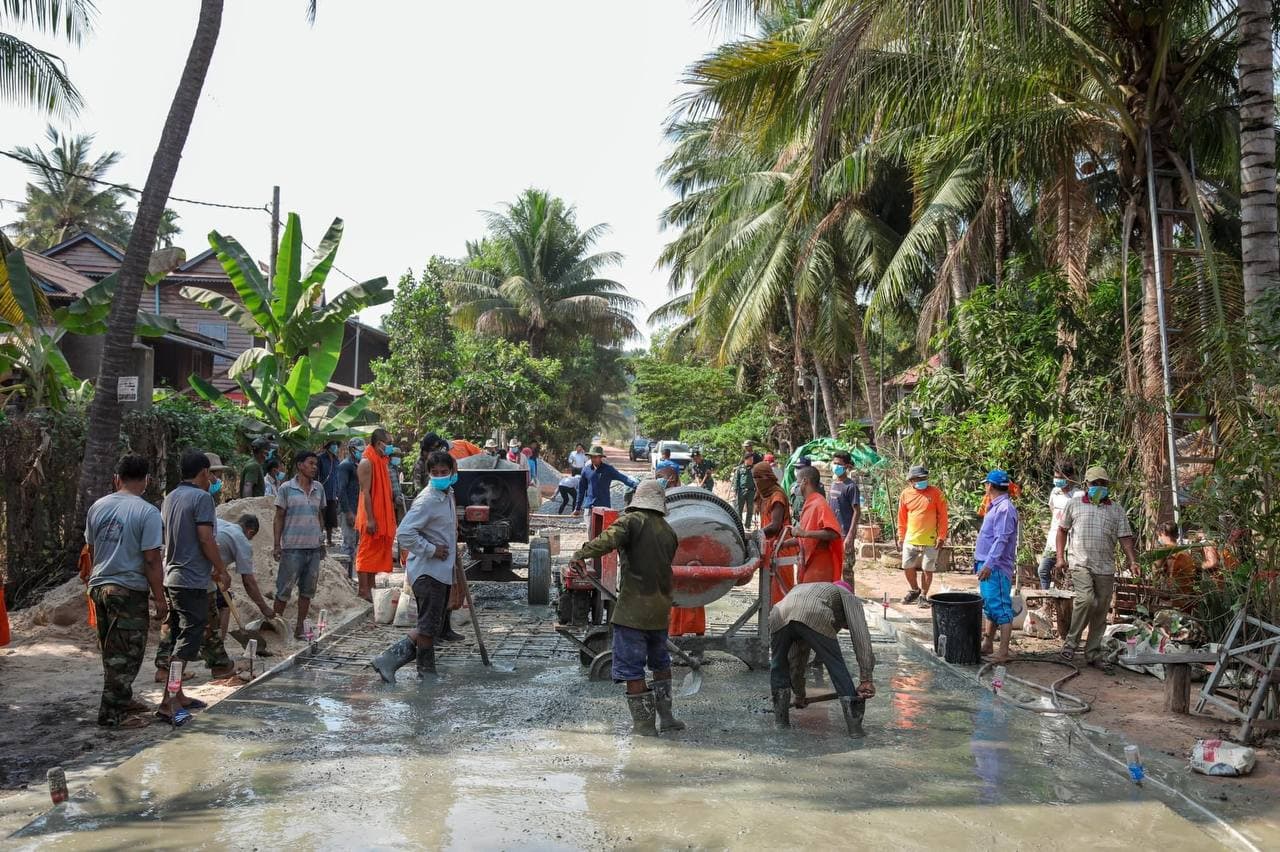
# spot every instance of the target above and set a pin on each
(251, 653)
(174, 684)
(1131, 645)
(309, 630)
(323, 624)
(942, 646)
(1134, 760)
(57, 784)
(997, 678)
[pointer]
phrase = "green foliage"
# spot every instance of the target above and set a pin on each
(672, 398)
(190, 425)
(285, 379)
(722, 444)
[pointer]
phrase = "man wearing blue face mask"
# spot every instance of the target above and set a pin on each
(1064, 491)
(1088, 533)
(428, 534)
(922, 529)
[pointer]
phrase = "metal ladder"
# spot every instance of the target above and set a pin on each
(1178, 423)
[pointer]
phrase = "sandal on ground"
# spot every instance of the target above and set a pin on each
(924, 603)
(132, 723)
(178, 719)
(1068, 653)
(194, 704)
(136, 706)
(911, 596)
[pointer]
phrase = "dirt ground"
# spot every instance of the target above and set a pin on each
(51, 672)
(1125, 703)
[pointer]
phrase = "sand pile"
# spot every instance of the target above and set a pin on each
(333, 594)
(61, 606)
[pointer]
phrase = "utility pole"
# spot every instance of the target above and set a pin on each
(275, 234)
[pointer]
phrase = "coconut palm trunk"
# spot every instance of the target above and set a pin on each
(829, 408)
(870, 382)
(102, 444)
(1258, 238)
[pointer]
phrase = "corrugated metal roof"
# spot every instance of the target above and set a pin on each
(57, 278)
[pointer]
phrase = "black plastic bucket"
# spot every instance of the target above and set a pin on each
(957, 627)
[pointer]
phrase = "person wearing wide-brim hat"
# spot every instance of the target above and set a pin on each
(491, 447)
(593, 488)
(645, 544)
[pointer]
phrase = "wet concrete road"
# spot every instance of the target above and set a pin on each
(540, 758)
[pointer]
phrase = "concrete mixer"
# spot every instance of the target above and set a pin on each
(714, 555)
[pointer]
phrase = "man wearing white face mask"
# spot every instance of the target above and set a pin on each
(428, 534)
(1062, 494)
(922, 529)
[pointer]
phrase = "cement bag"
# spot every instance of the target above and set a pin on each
(1019, 610)
(535, 498)
(1038, 624)
(384, 605)
(1218, 757)
(406, 609)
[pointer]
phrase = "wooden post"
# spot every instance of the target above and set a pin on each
(1177, 687)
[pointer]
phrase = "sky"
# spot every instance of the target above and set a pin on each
(407, 118)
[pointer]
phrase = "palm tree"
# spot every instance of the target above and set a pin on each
(536, 279)
(1260, 247)
(33, 77)
(105, 413)
(70, 193)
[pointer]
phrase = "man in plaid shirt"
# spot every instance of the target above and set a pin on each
(1093, 525)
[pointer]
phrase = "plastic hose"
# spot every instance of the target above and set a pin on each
(1076, 705)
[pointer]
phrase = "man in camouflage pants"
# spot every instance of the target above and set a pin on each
(123, 533)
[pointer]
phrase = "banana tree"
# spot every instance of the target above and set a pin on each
(288, 315)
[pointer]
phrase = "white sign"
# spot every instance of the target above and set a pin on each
(127, 389)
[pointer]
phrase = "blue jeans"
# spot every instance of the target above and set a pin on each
(302, 567)
(1045, 569)
(633, 648)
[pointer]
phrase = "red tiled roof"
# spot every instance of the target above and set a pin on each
(911, 377)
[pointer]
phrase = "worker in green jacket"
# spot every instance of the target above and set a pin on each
(646, 545)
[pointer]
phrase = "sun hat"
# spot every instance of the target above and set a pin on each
(491, 444)
(998, 477)
(649, 495)
(513, 444)
(1095, 473)
(596, 450)
(918, 471)
(215, 463)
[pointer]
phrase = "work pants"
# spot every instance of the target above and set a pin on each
(122, 621)
(567, 497)
(1044, 570)
(827, 649)
(193, 628)
(350, 543)
(746, 508)
(1092, 600)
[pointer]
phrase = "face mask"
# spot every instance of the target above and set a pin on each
(443, 483)
(838, 470)
(1059, 483)
(215, 486)
(333, 448)
(388, 450)
(1097, 493)
(279, 476)
(921, 485)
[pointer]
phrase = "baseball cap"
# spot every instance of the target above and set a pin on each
(1095, 473)
(998, 477)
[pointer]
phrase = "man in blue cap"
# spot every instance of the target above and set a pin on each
(995, 560)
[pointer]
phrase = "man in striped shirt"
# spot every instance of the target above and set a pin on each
(814, 614)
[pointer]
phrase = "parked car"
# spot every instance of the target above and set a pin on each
(680, 453)
(639, 450)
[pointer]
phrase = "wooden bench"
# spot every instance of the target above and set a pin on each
(1177, 674)
(1059, 603)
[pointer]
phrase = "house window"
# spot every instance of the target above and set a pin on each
(218, 331)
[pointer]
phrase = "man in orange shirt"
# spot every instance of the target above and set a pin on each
(922, 529)
(821, 545)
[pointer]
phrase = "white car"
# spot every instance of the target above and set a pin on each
(680, 454)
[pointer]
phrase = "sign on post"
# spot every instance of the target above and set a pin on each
(127, 389)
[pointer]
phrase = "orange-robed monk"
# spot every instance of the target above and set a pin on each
(376, 513)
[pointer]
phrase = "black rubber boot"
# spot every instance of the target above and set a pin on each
(643, 709)
(662, 700)
(853, 709)
(399, 654)
(782, 708)
(427, 660)
(447, 633)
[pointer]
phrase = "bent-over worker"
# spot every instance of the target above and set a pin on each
(814, 614)
(646, 545)
(233, 545)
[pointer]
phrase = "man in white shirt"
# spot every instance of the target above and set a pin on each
(233, 545)
(1064, 491)
(577, 459)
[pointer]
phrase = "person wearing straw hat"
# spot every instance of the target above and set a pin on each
(1089, 531)
(593, 488)
(491, 448)
(645, 544)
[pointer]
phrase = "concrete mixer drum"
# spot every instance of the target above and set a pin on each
(710, 534)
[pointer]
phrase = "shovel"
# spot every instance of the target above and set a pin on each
(693, 680)
(240, 634)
